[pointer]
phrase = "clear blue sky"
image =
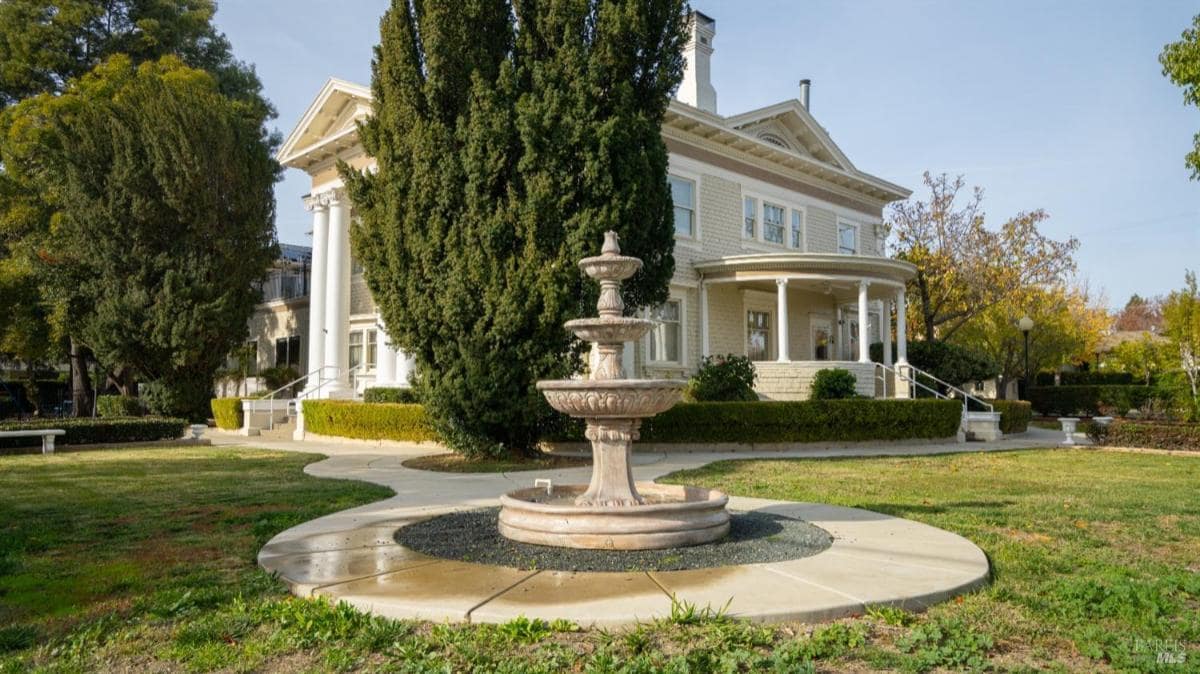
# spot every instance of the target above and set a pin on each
(1056, 105)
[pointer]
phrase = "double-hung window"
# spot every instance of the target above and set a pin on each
(847, 238)
(667, 335)
(797, 229)
(750, 216)
(773, 223)
(287, 352)
(363, 349)
(683, 196)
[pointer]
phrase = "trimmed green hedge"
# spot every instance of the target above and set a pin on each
(1149, 434)
(1015, 415)
(119, 406)
(799, 421)
(1086, 378)
(390, 394)
(367, 421)
(227, 412)
(1087, 400)
(89, 431)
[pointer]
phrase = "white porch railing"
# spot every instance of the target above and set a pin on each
(269, 403)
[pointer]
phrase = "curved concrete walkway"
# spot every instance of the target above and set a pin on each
(352, 556)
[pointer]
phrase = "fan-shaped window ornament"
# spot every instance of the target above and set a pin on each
(774, 140)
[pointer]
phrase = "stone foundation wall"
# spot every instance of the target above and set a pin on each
(793, 381)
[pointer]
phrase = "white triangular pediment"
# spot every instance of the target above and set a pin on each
(335, 111)
(789, 125)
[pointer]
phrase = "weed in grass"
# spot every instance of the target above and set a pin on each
(890, 615)
(522, 630)
(638, 640)
(686, 613)
(946, 642)
(17, 637)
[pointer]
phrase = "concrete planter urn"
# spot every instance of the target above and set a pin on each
(197, 430)
(1068, 428)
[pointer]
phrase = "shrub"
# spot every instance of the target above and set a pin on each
(275, 377)
(384, 394)
(119, 406)
(804, 421)
(368, 421)
(1089, 400)
(86, 431)
(187, 399)
(1085, 378)
(833, 384)
(1148, 434)
(227, 412)
(723, 378)
(1014, 415)
(948, 362)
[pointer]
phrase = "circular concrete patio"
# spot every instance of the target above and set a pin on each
(875, 559)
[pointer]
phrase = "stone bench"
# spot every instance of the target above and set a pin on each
(47, 435)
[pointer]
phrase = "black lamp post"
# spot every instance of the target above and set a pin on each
(1025, 324)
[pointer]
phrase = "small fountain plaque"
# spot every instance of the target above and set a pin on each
(612, 511)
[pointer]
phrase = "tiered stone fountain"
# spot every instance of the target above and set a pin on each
(612, 512)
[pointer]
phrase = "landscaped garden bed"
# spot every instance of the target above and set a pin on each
(457, 463)
(123, 560)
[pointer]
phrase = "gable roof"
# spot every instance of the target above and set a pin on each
(328, 125)
(798, 126)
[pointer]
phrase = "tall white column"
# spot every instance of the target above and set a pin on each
(885, 330)
(864, 348)
(385, 360)
(901, 329)
(319, 205)
(404, 368)
(781, 314)
(705, 349)
(337, 299)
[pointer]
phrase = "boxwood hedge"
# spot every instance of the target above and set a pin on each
(227, 413)
(1014, 415)
(389, 394)
(1089, 400)
(853, 420)
(1149, 434)
(367, 421)
(97, 430)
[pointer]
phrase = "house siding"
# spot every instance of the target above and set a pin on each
(822, 230)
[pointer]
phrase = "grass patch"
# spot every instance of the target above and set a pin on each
(457, 463)
(140, 560)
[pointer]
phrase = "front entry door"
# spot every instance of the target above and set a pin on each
(822, 339)
(758, 335)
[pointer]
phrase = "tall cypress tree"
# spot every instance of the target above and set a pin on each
(509, 136)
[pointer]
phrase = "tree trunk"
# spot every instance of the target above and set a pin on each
(31, 389)
(81, 382)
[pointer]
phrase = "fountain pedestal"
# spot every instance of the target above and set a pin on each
(612, 511)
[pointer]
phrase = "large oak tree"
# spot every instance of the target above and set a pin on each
(509, 136)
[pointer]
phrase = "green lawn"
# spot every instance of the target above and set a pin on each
(144, 559)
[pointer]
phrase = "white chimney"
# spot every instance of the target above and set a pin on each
(805, 85)
(697, 88)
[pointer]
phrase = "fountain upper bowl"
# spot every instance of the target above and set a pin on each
(609, 330)
(610, 267)
(612, 398)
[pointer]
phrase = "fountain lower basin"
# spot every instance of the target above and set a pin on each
(670, 516)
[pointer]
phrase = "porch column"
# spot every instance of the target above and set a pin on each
(404, 368)
(705, 351)
(901, 329)
(385, 360)
(885, 330)
(781, 311)
(319, 205)
(864, 349)
(337, 299)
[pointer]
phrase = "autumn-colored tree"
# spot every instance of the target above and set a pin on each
(1144, 357)
(964, 268)
(1140, 314)
(1181, 63)
(1069, 324)
(1181, 324)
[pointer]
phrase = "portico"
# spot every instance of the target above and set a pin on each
(804, 312)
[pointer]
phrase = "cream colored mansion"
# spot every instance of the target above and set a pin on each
(779, 251)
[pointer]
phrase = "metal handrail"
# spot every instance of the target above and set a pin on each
(966, 396)
(935, 392)
(320, 382)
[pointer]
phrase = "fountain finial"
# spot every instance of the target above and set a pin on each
(611, 245)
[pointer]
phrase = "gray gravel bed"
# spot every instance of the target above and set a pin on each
(754, 537)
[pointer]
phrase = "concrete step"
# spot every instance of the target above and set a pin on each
(282, 431)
